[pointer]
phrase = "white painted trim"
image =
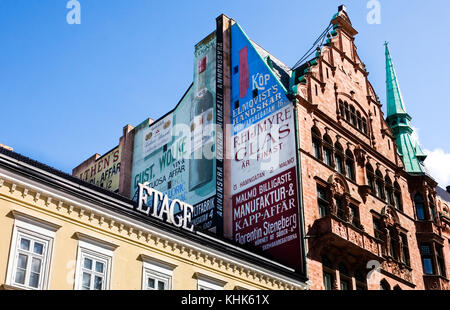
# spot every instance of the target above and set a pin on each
(209, 282)
(160, 268)
(90, 249)
(36, 232)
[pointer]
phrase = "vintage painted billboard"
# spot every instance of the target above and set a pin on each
(105, 171)
(177, 154)
(265, 210)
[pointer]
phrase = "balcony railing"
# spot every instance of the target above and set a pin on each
(348, 234)
(427, 227)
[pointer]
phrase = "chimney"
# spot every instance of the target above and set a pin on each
(448, 189)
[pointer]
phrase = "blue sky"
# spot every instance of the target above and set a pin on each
(66, 91)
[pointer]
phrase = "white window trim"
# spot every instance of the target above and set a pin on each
(208, 282)
(35, 228)
(156, 268)
(96, 248)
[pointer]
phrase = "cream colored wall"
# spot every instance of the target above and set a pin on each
(127, 268)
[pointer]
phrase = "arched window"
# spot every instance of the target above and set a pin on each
(341, 108)
(353, 116)
(384, 286)
(350, 165)
(328, 150)
(398, 197)
(359, 120)
(347, 111)
(394, 245)
(316, 143)
(346, 281)
(379, 186)
(370, 178)
(364, 126)
(432, 209)
(328, 273)
(405, 249)
(339, 158)
(389, 189)
(420, 208)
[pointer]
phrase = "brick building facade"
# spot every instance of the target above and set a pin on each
(359, 198)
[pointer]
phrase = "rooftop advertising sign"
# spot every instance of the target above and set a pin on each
(177, 154)
(105, 171)
(265, 210)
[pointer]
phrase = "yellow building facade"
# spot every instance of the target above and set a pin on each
(60, 233)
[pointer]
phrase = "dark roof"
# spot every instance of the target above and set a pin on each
(282, 71)
(443, 194)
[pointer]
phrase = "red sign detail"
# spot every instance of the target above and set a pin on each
(202, 65)
(244, 81)
(266, 216)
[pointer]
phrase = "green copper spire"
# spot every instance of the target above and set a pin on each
(399, 121)
(394, 95)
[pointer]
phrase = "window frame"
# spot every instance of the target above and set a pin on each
(158, 270)
(37, 230)
(99, 250)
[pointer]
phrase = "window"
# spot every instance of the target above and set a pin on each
(350, 165)
(427, 258)
(94, 262)
(389, 189)
(347, 112)
(328, 281)
(377, 228)
(364, 126)
(339, 208)
(394, 245)
(157, 275)
(420, 209)
(346, 282)
(316, 143)
(339, 158)
(441, 261)
(31, 251)
(432, 209)
(370, 178)
(361, 281)
(342, 108)
(398, 197)
(328, 274)
(405, 250)
(322, 200)
(354, 210)
(207, 283)
(328, 150)
(358, 116)
(30, 257)
(353, 116)
(379, 186)
(93, 271)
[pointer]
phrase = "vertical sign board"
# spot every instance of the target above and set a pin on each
(105, 171)
(265, 211)
(177, 154)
